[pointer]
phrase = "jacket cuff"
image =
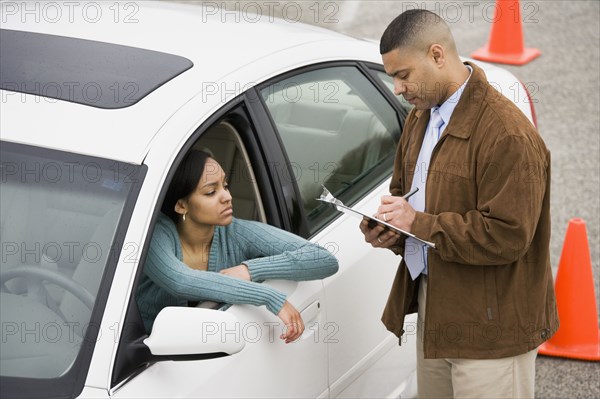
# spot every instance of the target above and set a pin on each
(398, 247)
(423, 225)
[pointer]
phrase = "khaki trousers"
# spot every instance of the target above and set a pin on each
(511, 377)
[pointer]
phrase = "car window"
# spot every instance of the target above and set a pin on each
(59, 215)
(338, 132)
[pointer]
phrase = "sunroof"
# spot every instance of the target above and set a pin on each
(82, 71)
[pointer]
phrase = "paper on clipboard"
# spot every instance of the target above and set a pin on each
(327, 197)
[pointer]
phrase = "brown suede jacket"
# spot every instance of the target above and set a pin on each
(490, 287)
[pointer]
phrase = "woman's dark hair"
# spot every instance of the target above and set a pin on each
(185, 180)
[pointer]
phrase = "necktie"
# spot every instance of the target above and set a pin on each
(415, 253)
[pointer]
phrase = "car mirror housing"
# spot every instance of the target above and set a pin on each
(181, 331)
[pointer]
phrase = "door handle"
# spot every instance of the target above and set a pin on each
(311, 312)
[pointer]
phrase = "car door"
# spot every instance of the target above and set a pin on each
(265, 367)
(340, 131)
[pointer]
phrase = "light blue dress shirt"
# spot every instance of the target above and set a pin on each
(415, 253)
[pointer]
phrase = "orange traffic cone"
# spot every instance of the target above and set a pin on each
(506, 38)
(578, 336)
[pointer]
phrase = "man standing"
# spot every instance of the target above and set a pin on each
(484, 295)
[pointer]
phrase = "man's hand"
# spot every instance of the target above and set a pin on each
(397, 212)
(378, 236)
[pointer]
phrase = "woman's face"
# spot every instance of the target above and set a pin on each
(210, 203)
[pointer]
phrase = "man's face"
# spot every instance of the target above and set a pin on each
(416, 76)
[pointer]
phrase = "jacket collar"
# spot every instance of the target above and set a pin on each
(467, 110)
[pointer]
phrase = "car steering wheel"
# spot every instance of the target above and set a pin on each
(37, 273)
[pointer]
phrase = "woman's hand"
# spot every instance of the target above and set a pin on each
(240, 271)
(294, 326)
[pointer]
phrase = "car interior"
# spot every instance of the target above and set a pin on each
(343, 140)
(225, 143)
(335, 128)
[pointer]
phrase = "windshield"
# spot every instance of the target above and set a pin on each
(59, 216)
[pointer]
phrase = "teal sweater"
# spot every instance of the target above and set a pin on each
(269, 253)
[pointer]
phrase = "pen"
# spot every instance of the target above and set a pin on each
(410, 193)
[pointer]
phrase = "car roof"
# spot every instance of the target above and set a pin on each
(229, 52)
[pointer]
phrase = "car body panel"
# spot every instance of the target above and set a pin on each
(359, 344)
(304, 376)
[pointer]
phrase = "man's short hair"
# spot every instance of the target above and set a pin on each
(408, 29)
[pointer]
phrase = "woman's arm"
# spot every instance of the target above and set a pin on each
(172, 275)
(272, 253)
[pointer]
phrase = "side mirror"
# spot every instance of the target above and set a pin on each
(193, 331)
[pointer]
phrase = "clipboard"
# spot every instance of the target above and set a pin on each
(330, 199)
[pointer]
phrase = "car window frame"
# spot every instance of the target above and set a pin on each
(298, 218)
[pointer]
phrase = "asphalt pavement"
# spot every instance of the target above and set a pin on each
(565, 85)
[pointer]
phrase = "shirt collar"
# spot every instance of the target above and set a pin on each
(447, 108)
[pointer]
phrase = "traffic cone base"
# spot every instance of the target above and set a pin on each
(578, 336)
(484, 54)
(581, 352)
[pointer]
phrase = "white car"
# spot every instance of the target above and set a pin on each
(100, 101)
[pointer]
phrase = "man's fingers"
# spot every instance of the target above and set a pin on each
(389, 199)
(388, 235)
(364, 226)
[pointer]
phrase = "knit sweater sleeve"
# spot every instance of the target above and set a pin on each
(169, 273)
(272, 253)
